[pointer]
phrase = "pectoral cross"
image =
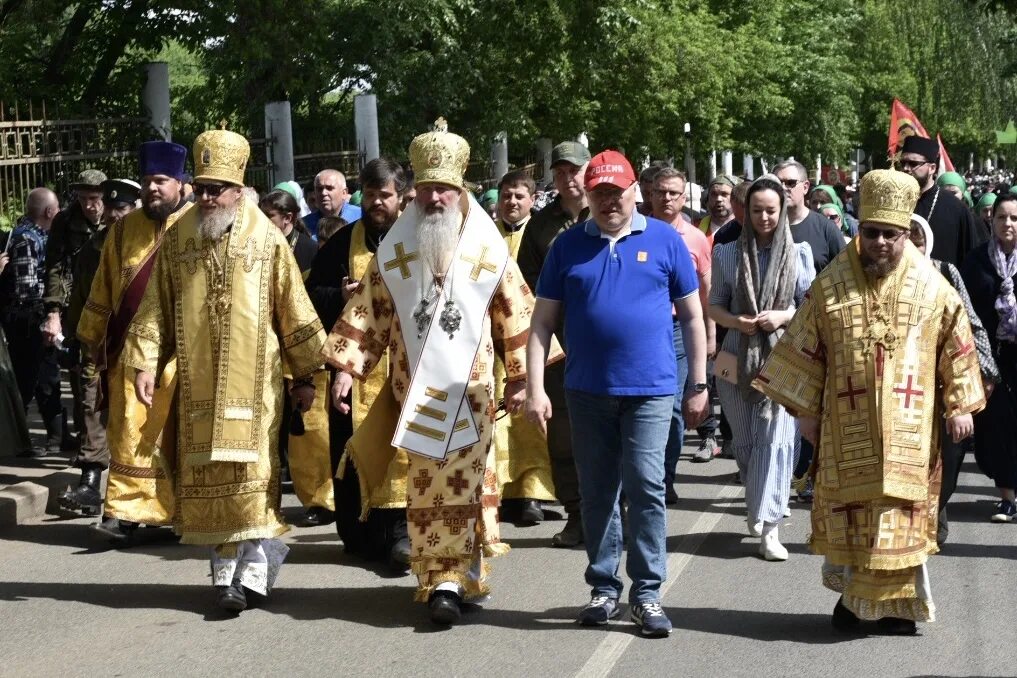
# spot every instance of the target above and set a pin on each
(401, 261)
(480, 263)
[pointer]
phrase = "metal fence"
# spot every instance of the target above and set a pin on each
(36, 151)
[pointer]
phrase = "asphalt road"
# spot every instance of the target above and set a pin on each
(71, 606)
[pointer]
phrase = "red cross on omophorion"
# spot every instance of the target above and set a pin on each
(818, 354)
(851, 393)
(457, 483)
(963, 349)
(909, 391)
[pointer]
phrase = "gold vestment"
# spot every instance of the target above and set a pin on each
(880, 364)
(141, 440)
(522, 462)
(236, 317)
(451, 503)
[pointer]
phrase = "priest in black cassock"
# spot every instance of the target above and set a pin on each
(953, 224)
(375, 526)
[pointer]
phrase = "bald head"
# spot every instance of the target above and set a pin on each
(330, 192)
(42, 207)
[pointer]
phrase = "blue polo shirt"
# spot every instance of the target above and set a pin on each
(619, 336)
(349, 213)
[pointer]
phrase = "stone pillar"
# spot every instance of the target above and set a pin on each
(499, 156)
(727, 160)
(713, 165)
(365, 119)
(748, 167)
(690, 164)
(279, 132)
(156, 98)
(544, 148)
(819, 170)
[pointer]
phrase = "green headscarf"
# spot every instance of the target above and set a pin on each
(968, 200)
(987, 200)
(952, 179)
(489, 197)
(291, 187)
(835, 206)
(834, 198)
(357, 198)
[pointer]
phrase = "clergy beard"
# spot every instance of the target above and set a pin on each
(437, 237)
(158, 212)
(213, 225)
(878, 269)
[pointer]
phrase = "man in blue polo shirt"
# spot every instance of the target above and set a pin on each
(615, 278)
(333, 200)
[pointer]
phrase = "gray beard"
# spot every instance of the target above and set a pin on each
(437, 238)
(215, 225)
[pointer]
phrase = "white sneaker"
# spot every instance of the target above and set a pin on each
(787, 511)
(771, 548)
(755, 528)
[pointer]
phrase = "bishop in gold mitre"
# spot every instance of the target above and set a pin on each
(877, 356)
(226, 300)
(444, 296)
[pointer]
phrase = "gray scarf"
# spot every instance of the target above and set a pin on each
(775, 291)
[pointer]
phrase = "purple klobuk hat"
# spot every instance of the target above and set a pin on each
(162, 157)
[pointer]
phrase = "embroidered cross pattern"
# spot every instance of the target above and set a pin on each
(908, 391)
(422, 482)
(851, 393)
(457, 483)
(191, 256)
(480, 263)
(402, 261)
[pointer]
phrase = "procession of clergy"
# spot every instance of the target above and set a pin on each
(423, 362)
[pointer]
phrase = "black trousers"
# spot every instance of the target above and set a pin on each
(559, 440)
(35, 367)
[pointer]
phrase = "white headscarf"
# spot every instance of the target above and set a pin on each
(921, 221)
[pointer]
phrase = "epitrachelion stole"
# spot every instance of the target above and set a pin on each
(436, 417)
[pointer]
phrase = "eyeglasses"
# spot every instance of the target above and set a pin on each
(791, 183)
(211, 190)
(669, 194)
(912, 164)
(888, 234)
(833, 217)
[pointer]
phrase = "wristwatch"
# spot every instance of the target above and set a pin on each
(697, 388)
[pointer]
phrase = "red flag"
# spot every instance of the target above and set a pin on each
(903, 123)
(944, 159)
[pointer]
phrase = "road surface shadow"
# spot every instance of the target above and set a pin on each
(808, 629)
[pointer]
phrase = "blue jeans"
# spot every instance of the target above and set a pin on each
(676, 436)
(618, 443)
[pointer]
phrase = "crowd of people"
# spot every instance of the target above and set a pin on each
(423, 361)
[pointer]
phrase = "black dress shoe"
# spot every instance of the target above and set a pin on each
(670, 496)
(571, 535)
(399, 554)
(530, 512)
(894, 626)
(843, 618)
(317, 516)
(444, 606)
(116, 530)
(232, 598)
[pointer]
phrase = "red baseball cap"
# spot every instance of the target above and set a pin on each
(609, 167)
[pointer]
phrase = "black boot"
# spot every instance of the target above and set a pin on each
(894, 626)
(119, 531)
(85, 497)
(530, 513)
(844, 619)
(232, 598)
(444, 607)
(399, 538)
(571, 535)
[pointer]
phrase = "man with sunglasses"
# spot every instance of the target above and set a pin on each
(953, 224)
(807, 225)
(226, 302)
(880, 350)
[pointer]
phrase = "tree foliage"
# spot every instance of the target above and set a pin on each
(787, 77)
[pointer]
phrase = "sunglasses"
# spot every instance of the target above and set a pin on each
(211, 190)
(911, 164)
(888, 234)
(791, 183)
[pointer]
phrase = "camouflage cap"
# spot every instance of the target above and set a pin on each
(90, 179)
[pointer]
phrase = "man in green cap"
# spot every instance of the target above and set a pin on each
(568, 165)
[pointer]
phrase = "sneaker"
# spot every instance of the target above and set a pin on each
(707, 450)
(651, 620)
(598, 611)
(1006, 512)
(805, 491)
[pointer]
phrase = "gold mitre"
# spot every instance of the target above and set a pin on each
(221, 155)
(888, 197)
(439, 156)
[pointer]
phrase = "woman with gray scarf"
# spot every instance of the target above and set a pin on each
(758, 282)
